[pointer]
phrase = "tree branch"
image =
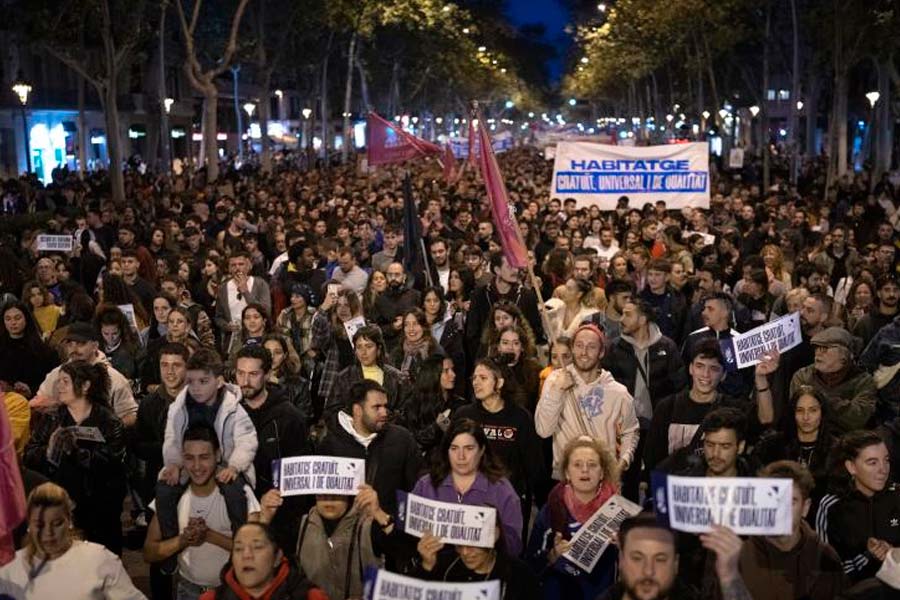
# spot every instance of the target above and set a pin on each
(232, 40)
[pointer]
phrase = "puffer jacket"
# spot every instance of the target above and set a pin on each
(234, 428)
(602, 408)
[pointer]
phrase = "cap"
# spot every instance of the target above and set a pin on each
(80, 331)
(833, 336)
(593, 328)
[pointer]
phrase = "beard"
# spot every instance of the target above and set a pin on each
(251, 393)
(661, 593)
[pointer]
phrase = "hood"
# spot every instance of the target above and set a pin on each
(655, 336)
(345, 422)
(276, 398)
(231, 395)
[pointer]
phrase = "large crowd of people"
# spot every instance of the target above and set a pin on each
(152, 373)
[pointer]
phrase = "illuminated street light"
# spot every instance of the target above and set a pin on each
(279, 94)
(21, 88)
(249, 107)
(585, 60)
(799, 105)
(873, 98)
(754, 110)
(306, 112)
(572, 101)
(167, 103)
(705, 114)
(602, 7)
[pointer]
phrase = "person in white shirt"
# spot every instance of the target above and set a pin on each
(205, 522)
(53, 564)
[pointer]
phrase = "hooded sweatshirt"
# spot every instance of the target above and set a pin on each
(810, 570)
(602, 409)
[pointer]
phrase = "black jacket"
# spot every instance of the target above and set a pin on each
(147, 437)
(517, 580)
(847, 522)
(681, 591)
(392, 458)
(281, 432)
(340, 391)
(666, 374)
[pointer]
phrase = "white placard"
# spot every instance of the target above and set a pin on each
(54, 243)
(391, 586)
(598, 174)
(747, 349)
(592, 539)
(128, 311)
(746, 505)
(458, 524)
(501, 142)
(736, 158)
(352, 326)
(338, 475)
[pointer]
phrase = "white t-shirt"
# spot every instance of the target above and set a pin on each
(202, 564)
(87, 571)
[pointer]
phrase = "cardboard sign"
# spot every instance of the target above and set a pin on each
(592, 539)
(352, 326)
(599, 174)
(747, 505)
(458, 524)
(299, 475)
(54, 243)
(747, 349)
(384, 585)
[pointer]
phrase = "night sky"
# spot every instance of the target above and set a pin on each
(553, 16)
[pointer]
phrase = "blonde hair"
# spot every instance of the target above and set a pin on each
(608, 462)
(778, 259)
(47, 495)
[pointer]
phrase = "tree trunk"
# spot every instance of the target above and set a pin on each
(114, 144)
(363, 83)
(165, 138)
(347, 132)
(326, 120)
(82, 134)
(265, 142)
(210, 130)
(764, 108)
(793, 138)
(811, 106)
(883, 125)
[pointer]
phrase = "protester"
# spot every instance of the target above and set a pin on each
(591, 478)
(431, 404)
(55, 564)
(89, 467)
(259, 569)
(362, 430)
(25, 358)
(797, 565)
(466, 470)
(201, 538)
(608, 412)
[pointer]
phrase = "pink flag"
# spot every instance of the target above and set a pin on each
(451, 169)
(502, 210)
(12, 492)
(388, 143)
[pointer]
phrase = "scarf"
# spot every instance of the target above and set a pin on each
(833, 380)
(583, 511)
(416, 348)
(280, 577)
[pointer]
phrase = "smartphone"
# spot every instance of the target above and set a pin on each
(333, 289)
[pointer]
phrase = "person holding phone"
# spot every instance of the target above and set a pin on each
(240, 290)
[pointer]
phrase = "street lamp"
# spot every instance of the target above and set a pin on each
(22, 88)
(705, 115)
(754, 110)
(601, 7)
(249, 107)
(167, 103)
(306, 112)
(873, 98)
(799, 105)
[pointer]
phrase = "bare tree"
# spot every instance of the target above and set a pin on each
(204, 79)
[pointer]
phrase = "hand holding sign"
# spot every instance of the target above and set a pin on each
(560, 547)
(727, 548)
(428, 548)
(769, 362)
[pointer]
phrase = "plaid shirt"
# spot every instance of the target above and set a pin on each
(324, 341)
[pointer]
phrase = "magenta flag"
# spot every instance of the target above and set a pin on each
(451, 169)
(501, 209)
(388, 144)
(12, 492)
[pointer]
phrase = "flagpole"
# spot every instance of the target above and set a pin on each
(476, 113)
(407, 189)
